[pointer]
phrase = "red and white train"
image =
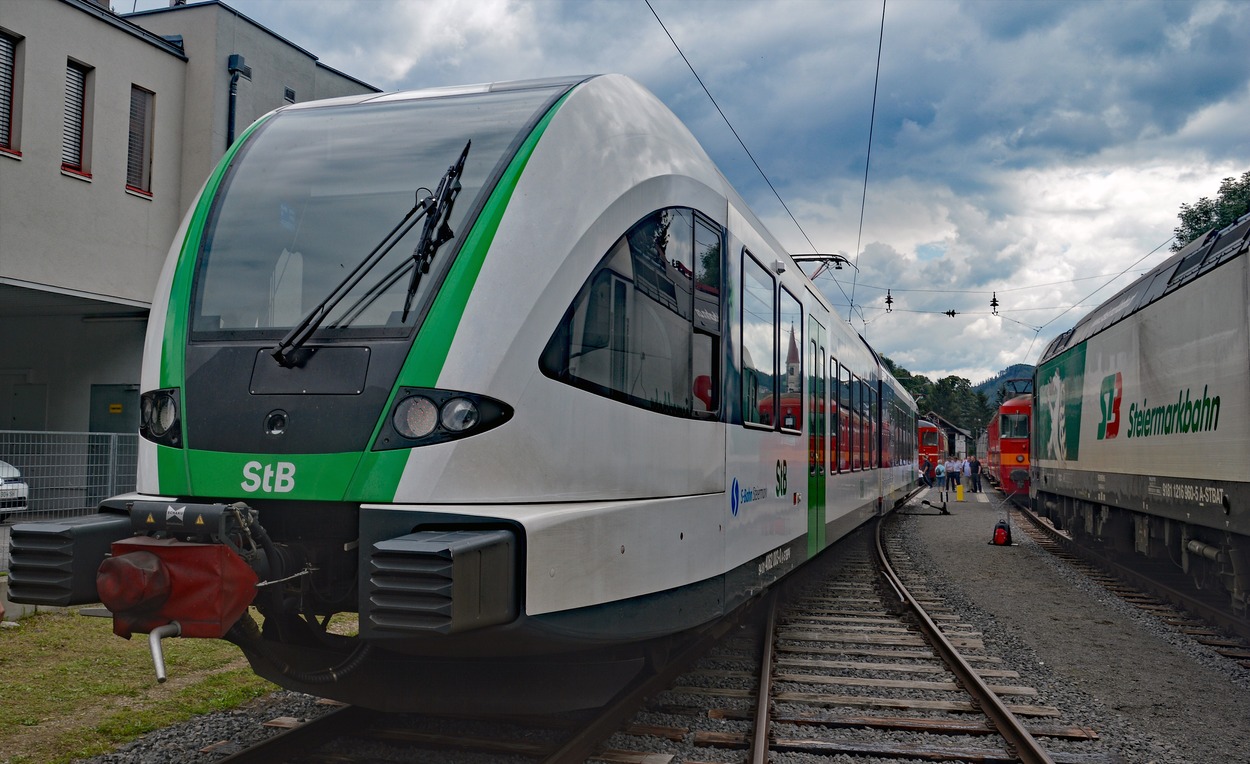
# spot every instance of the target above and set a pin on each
(1007, 442)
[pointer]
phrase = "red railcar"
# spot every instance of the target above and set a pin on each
(933, 444)
(1007, 457)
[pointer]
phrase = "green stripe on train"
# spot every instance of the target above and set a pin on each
(172, 465)
(379, 471)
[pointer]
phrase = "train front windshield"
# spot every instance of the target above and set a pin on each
(1014, 426)
(315, 190)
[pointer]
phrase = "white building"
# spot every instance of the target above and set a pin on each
(109, 125)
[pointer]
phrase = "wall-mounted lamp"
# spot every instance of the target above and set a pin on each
(237, 67)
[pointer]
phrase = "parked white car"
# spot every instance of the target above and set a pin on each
(14, 493)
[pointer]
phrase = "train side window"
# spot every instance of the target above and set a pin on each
(791, 325)
(707, 324)
(759, 343)
(857, 434)
(874, 413)
(630, 333)
(834, 408)
(818, 407)
(845, 437)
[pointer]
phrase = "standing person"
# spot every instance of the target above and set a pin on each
(924, 471)
(976, 475)
(940, 473)
(968, 472)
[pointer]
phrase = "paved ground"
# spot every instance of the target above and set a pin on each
(1125, 661)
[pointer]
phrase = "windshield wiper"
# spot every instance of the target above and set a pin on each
(436, 232)
(435, 209)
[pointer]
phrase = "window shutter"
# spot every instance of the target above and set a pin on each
(75, 106)
(8, 49)
(137, 154)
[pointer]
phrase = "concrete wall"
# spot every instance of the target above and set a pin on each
(81, 246)
(66, 231)
(211, 33)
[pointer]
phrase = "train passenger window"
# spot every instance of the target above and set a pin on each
(846, 444)
(632, 334)
(857, 424)
(707, 331)
(759, 343)
(791, 324)
(816, 410)
(875, 440)
(834, 408)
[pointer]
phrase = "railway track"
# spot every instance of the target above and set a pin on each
(848, 670)
(851, 664)
(1216, 627)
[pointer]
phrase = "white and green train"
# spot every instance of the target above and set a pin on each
(507, 374)
(1142, 417)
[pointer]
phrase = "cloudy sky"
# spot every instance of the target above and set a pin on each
(1033, 149)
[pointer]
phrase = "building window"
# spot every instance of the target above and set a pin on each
(139, 151)
(77, 111)
(288, 95)
(8, 91)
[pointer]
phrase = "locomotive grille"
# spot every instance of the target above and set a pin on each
(440, 582)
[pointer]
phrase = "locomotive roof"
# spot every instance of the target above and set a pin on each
(438, 92)
(1198, 257)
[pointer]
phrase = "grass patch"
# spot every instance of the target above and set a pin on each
(73, 689)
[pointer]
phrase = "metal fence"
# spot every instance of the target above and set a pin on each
(66, 473)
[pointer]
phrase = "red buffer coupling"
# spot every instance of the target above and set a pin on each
(150, 582)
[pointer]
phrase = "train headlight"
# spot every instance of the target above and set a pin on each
(160, 418)
(424, 416)
(459, 414)
(415, 417)
(1020, 458)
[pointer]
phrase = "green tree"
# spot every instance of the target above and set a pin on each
(1232, 201)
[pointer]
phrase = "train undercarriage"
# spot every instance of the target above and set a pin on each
(1215, 561)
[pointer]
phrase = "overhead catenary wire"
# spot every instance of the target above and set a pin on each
(872, 119)
(742, 143)
(852, 307)
(1096, 291)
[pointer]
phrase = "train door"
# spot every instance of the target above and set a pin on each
(816, 450)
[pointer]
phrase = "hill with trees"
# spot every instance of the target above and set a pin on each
(954, 398)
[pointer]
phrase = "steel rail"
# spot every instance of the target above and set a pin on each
(1019, 741)
(297, 743)
(763, 710)
(609, 719)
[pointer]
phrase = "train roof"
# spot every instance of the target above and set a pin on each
(1197, 258)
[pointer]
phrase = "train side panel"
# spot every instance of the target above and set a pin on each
(1153, 413)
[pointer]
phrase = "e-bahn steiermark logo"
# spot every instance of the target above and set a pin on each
(1109, 401)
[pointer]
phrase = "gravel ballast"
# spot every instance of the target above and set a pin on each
(1155, 693)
